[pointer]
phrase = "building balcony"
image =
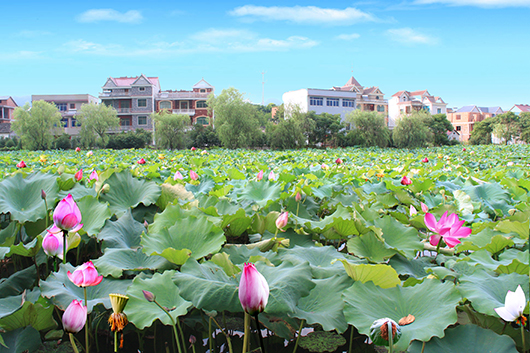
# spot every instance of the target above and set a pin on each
(184, 111)
(123, 110)
(182, 95)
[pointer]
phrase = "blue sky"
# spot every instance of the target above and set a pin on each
(466, 51)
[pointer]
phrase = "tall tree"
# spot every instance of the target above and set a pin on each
(411, 131)
(370, 126)
(507, 127)
(170, 129)
(439, 125)
(96, 120)
(481, 133)
(524, 122)
(235, 121)
(37, 125)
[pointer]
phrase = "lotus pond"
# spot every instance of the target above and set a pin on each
(356, 248)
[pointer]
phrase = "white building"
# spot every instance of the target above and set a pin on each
(404, 102)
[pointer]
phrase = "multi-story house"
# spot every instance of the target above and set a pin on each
(133, 98)
(7, 107)
(192, 103)
(520, 108)
(68, 105)
(405, 102)
(465, 118)
(337, 100)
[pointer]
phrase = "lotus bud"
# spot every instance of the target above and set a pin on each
(79, 175)
(193, 148)
(192, 340)
(324, 166)
(338, 161)
(379, 332)
(424, 207)
(74, 317)
(85, 275)
(150, 297)
(178, 176)
(298, 197)
(105, 189)
(425, 160)
(413, 210)
(67, 216)
(405, 180)
(260, 175)
(193, 175)
(141, 161)
(272, 176)
(52, 244)
(77, 149)
(89, 153)
(21, 164)
(253, 290)
(93, 176)
(43, 194)
(281, 221)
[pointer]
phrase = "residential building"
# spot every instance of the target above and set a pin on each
(405, 102)
(337, 100)
(7, 107)
(68, 105)
(520, 108)
(465, 118)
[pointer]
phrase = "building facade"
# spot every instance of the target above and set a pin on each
(7, 108)
(465, 118)
(405, 102)
(68, 105)
(520, 108)
(337, 100)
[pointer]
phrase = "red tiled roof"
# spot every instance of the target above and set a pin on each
(399, 93)
(418, 93)
(352, 82)
(127, 81)
(523, 107)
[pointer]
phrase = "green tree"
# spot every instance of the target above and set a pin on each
(202, 136)
(524, 121)
(96, 120)
(170, 129)
(370, 126)
(37, 125)
(439, 125)
(236, 121)
(325, 128)
(481, 133)
(411, 131)
(507, 127)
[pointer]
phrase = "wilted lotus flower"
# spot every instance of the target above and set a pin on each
(85, 275)
(141, 161)
(193, 175)
(272, 176)
(79, 175)
(118, 320)
(93, 176)
(52, 244)
(405, 180)
(379, 332)
(281, 221)
(77, 149)
(448, 227)
(178, 176)
(74, 317)
(67, 216)
(513, 308)
(260, 175)
(253, 290)
(21, 164)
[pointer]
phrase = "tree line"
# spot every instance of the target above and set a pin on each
(507, 127)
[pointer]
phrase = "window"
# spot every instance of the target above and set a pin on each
(202, 90)
(438, 111)
(165, 105)
(458, 117)
(141, 88)
(380, 108)
(64, 122)
(316, 101)
(459, 128)
(404, 98)
(142, 102)
(72, 105)
(332, 102)
(348, 103)
(125, 122)
(407, 110)
(376, 97)
(142, 120)
(61, 106)
(202, 120)
(201, 104)
(73, 122)
(183, 105)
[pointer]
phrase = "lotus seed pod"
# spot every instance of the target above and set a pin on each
(379, 332)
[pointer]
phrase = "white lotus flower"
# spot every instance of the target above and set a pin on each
(514, 305)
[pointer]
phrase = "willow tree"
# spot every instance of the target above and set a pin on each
(170, 129)
(37, 125)
(96, 120)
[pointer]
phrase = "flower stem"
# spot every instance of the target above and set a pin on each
(86, 323)
(116, 341)
(228, 341)
(299, 334)
(390, 337)
(65, 234)
(522, 336)
(246, 337)
(182, 336)
(423, 347)
(350, 349)
(72, 341)
(174, 326)
(210, 333)
(259, 334)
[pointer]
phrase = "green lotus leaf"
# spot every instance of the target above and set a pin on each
(399, 237)
(128, 192)
(512, 261)
(323, 305)
(411, 267)
(259, 192)
(125, 233)
(466, 338)
(487, 292)
(21, 197)
(39, 316)
(196, 235)
(322, 341)
(369, 246)
(340, 221)
(7, 235)
(143, 313)
(383, 276)
(491, 195)
(432, 303)
(9, 305)
(235, 224)
(93, 214)
(173, 214)
(62, 291)
(18, 282)
(28, 250)
(170, 193)
(205, 185)
(21, 340)
(222, 260)
(78, 192)
(208, 287)
(115, 261)
(520, 228)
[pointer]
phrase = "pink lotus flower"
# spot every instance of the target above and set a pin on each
(74, 317)
(193, 148)
(178, 176)
(260, 175)
(52, 244)
(93, 176)
(405, 180)
(141, 161)
(448, 227)
(464, 149)
(324, 166)
(79, 175)
(89, 153)
(193, 175)
(85, 275)
(253, 290)
(338, 161)
(425, 160)
(281, 221)
(77, 149)
(272, 176)
(298, 197)
(21, 164)
(66, 215)
(424, 207)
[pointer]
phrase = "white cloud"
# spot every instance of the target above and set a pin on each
(96, 15)
(480, 3)
(410, 36)
(20, 55)
(33, 34)
(303, 14)
(214, 35)
(351, 36)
